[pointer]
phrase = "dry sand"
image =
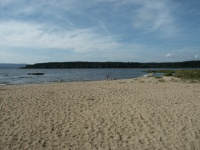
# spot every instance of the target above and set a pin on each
(144, 113)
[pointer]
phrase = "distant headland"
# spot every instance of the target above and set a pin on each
(81, 64)
(11, 66)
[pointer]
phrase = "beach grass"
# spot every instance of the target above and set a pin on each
(188, 74)
(183, 74)
(161, 80)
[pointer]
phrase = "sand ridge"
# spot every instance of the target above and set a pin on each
(143, 113)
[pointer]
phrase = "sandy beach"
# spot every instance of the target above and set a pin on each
(133, 114)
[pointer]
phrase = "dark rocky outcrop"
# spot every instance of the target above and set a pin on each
(38, 73)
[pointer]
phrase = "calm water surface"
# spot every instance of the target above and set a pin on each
(20, 76)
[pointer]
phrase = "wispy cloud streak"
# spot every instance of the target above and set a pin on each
(18, 34)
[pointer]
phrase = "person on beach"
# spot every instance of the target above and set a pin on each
(108, 76)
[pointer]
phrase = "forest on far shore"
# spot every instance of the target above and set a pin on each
(80, 64)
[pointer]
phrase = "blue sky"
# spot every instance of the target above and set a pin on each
(33, 31)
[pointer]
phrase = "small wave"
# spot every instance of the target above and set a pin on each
(4, 83)
(24, 77)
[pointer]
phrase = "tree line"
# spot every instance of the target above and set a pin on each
(80, 64)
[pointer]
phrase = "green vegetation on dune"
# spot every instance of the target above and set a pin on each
(160, 71)
(188, 74)
(166, 72)
(183, 74)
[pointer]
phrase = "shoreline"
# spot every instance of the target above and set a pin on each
(140, 113)
(173, 79)
(58, 82)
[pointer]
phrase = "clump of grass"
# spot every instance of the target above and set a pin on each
(151, 71)
(169, 73)
(193, 81)
(158, 77)
(161, 80)
(166, 71)
(174, 80)
(161, 71)
(121, 82)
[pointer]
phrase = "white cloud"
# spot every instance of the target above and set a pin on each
(184, 54)
(153, 16)
(26, 35)
(168, 55)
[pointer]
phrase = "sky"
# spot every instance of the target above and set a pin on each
(36, 31)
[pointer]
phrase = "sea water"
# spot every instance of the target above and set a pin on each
(20, 76)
